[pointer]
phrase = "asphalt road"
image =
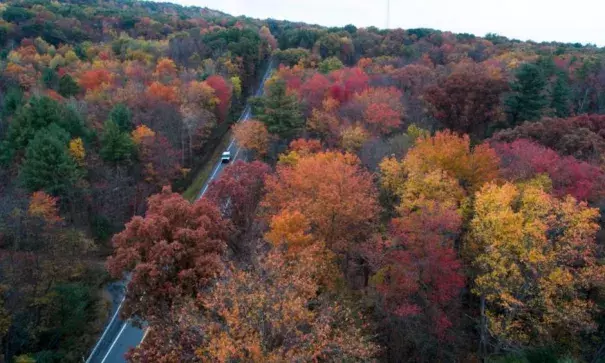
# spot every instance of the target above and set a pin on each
(119, 336)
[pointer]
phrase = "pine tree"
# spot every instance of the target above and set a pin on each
(68, 87)
(560, 102)
(117, 146)
(279, 110)
(48, 165)
(528, 99)
(120, 114)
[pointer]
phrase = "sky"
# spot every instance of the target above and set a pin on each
(539, 20)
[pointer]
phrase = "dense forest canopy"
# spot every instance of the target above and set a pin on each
(407, 194)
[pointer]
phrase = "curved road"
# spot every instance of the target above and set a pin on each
(119, 336)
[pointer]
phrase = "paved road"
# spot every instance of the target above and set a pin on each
(119, 336)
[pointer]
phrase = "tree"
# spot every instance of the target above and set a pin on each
(223, 92)
(161, 162)
(48, 165)
(560, 96)
(233, 321)
(352, 138)
(332, 191)
(330, 64)
(528, 100)
(238, 191)
(523, 160)
(120, 114)
(68, 87)
(116, 145)
(278, 110)
(535, 262)
(252, 135)
(77, 151)
(420, 277)
(472, 167)
(381, 109)
(173, 252)
(579, 136)
(468, 100)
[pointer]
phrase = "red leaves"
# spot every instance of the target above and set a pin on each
(347, 82)
(422, 274)
(468, 99)
(173, 252)
(223, 92)
(523, 159)
(160, 92)
(238, 190)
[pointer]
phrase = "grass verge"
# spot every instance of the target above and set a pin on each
(200, 179)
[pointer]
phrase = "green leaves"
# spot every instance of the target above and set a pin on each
(279, 110)
(48, 165)
(117, 146)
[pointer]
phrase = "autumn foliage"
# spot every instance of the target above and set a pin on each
(172, 252)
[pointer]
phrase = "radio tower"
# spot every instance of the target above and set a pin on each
(388, 13)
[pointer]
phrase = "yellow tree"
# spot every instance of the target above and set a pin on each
(534, 259)
(76, 150)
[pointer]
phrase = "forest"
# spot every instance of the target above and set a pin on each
(408, 195)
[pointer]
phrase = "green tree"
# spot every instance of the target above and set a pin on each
(279, 110)
(120, 114)
(528, 99)
(116, 145)
(13, 99)
(68, 87)
(560, 97)
(40, 112)
(50, 78)
(330, 64)
(48, 165)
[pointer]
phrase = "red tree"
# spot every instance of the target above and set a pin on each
(313, 90)
(468, 99)
(422, 276)
(524, 159)
(172, 252)
(223, 91)
(239, 190)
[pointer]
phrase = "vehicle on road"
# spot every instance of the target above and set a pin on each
(226, 157)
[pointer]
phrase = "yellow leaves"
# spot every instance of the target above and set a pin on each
(534, 257)
(415, 132)
(237, 85)
(353, 137)
(140, 133)
(76, 150)
(392, 175)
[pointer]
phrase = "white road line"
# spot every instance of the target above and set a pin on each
(238, 149)
(145, 335)
(218, 166)
(106, 329)
(115, 341)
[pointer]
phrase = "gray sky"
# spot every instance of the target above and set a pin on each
(540, 20)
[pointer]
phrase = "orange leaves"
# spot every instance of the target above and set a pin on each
(252, 135)
(93, 79)
(453, 154)
(44, 206)
(159, 92)
(290, 228)
(165, 69)
(140, 133)
(331, 190)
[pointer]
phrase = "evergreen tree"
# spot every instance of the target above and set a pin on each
(528, 100)
(13, 99)
(50, 78)
(116, 145)
(48, 165)
(40, 112)
(120, 114)
(278, 110)
(68, 87)
(560, 98)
